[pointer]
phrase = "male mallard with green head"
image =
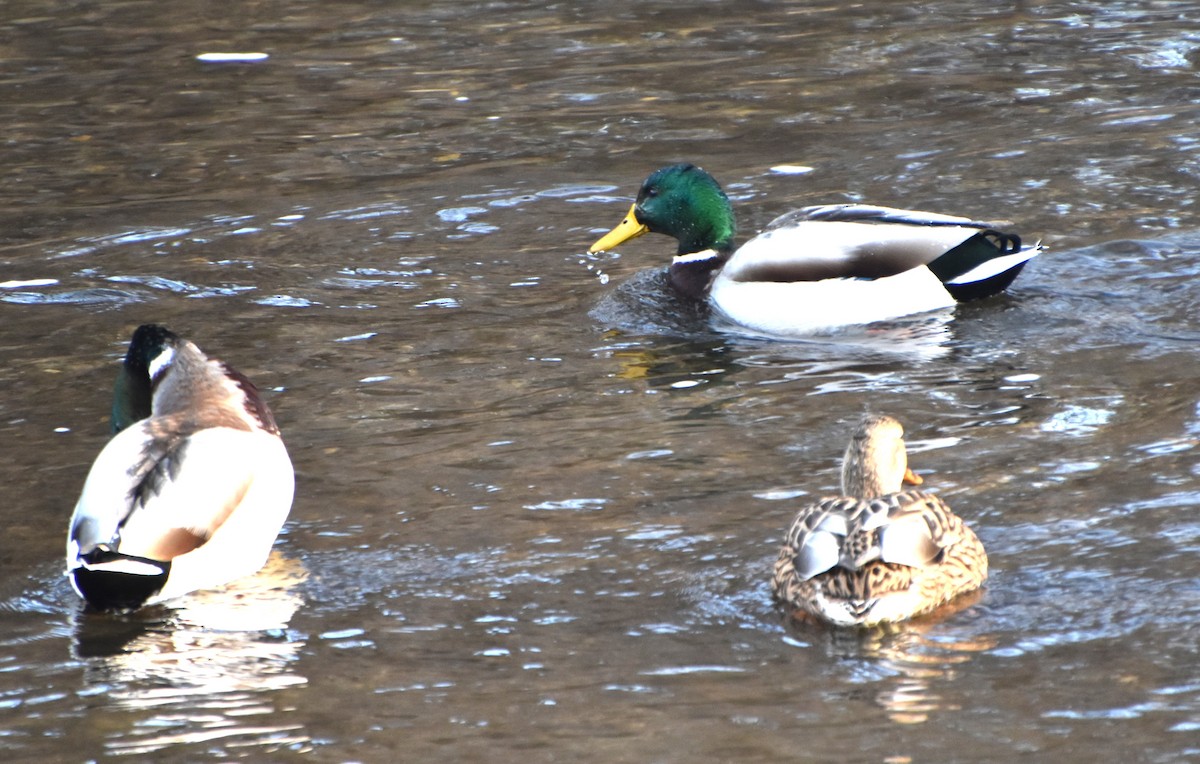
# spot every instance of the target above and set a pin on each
(818, 268)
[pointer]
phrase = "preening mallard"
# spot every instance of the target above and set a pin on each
(817, 268)
(877, 554)
(191, 491)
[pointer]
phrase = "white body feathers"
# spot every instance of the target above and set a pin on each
(235, 491)
(875, 270)
(190, 497)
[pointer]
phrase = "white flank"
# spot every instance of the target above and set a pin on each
(223, 468)
(240, 545)
(811, 307)
(105, 494)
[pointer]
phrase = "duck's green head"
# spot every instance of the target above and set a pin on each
(150, 352)
(681, 201)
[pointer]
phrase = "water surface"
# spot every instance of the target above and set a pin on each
(537, 504)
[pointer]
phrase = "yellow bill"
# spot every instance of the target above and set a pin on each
(627, 229)
(912, 478)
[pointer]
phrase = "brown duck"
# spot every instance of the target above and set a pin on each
(878, 554)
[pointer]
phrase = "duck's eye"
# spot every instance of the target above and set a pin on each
(652, 192)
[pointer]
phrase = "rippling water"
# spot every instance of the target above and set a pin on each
(537, 499)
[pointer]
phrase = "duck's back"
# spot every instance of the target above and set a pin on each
(805, 246)
(857, 562)
(821, 268)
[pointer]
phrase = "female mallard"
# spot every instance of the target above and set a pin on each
(817, 268)
(877, 554)
(191, 491)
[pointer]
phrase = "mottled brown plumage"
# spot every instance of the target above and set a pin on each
(876, 554)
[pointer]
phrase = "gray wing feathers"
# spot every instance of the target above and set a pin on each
(869, 213)
(905, 529)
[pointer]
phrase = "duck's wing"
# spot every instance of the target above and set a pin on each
(870, 242)
(873, 213)
(912, 528)
(813, 544)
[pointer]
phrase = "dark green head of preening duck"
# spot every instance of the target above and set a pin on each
(134, 387)
(683, 202)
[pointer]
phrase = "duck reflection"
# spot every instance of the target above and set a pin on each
(916, 339)
(645, 305)
(909, 661)
(921, 658)
(202, 667)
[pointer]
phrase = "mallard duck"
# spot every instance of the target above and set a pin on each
(191, 491)
(877, 554)
(817, 268)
